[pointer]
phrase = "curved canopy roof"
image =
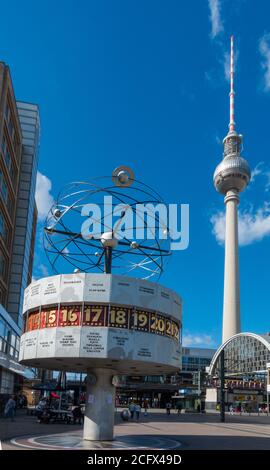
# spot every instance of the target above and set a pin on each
(244, 353)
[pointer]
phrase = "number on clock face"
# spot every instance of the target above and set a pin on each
(33, 321)
(48, 317)
(95, 315)
(119, 317)
(169, 328)
(140, 320)
(157, 324)
(70, 316)
(175, 330)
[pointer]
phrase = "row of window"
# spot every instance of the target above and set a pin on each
(4, 193)
(3, 267)
(245, 354)
(10, 126)
(3, 229)
(6, 382)
(8, 160)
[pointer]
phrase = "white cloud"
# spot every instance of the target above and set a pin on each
(261, 170)
(252, 226)
(199, 340)
(215, 18)
(44, 199)
(264, 48)
(256, 171)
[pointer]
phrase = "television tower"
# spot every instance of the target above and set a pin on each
(231, 177)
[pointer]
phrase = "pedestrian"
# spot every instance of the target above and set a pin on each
(40, 409)
(198, 408)
(9, 411)
(131, 409)
(145, 407)
(168, 407)
(179, 407)
(137, 411)
(231, 410)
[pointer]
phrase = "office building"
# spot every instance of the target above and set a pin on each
(19, 136)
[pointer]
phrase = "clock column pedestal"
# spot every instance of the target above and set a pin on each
(99, 405)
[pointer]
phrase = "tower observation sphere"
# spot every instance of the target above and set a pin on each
(233, 172)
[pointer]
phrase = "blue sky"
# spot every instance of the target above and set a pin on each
(143, 84)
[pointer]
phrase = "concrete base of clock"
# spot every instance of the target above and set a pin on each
(99, 406)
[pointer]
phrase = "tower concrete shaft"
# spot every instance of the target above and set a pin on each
(231, 177)
(231, 300)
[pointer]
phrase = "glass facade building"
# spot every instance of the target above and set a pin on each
(26, 212)
(19, 137)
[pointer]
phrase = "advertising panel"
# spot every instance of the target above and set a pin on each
(67, 342)
(50, 290)
(72, 287)
(46, 343)
(93, 342)
(97, 288)
(34, 297)
(123, 290)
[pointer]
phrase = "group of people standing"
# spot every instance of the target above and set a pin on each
(135, 409)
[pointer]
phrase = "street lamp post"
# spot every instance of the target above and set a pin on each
(268, 386)
(222, 387)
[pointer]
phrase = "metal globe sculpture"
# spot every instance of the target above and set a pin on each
(113, 243)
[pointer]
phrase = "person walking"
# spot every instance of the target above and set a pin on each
(9, 411)
(168, 408)
(179, 407)
(145, 405)
(137, 411)
(132, 409)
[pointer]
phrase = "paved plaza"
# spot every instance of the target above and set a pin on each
(156, 431)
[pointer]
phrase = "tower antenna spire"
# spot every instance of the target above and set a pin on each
(232, 123)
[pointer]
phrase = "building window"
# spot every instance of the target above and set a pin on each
(3, 229)
(2, 266)
(8, 160)
(2, 302)
(10, 206)
(3, 187)
(2, 225)
(9, 121)
(4, 145)
(7, 382)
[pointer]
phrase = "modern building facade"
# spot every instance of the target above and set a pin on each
(11, 150)
(26, 211)
(192, 379)
(19, 136)
(182, 386)
(231, 177)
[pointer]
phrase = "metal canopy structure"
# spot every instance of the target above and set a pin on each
(244, 354)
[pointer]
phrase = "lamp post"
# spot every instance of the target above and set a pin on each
(268, 386)
(222, 385)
